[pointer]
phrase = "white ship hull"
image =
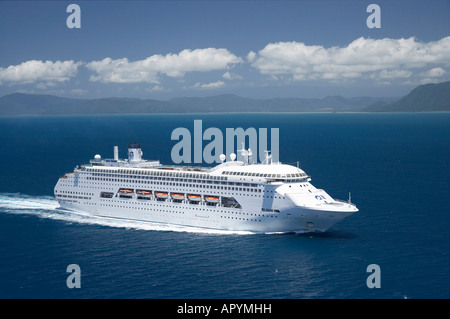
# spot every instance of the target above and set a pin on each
(294, 220)
(255, 204)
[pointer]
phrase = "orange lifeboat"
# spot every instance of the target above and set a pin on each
(177, 196)
(126, 191)
(212, 199)
(161, 194)
(194, 197)
(143, 192)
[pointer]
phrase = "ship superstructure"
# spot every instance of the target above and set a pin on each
(234, 195)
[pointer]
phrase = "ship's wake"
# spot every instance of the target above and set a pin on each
(48, 207)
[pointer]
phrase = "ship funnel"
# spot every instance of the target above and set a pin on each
(116, 153)
(134, 152)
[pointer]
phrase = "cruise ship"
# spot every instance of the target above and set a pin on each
(235, 195)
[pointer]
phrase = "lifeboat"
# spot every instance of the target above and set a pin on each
(195, 197)
(212, 199)
(161, 194)
(177, 196)
(143, 192)
(126, 191)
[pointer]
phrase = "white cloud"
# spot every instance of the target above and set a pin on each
(363, 58)
(38, 71)
(231, 76)
(436, 72)
(251, 56)
(173, 65)
(212, 85)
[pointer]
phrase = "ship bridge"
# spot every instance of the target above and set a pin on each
(267, 171)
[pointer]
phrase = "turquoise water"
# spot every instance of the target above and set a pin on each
(396, 167)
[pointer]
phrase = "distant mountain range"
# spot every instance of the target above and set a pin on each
(429, 97)
(424, 98)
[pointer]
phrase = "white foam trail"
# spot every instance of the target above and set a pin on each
(20, 201)
(48, 207)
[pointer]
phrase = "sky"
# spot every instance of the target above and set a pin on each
(258, 49)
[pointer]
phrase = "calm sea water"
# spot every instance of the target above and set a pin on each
(396, 167)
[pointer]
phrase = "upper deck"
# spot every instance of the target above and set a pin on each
(232, 170)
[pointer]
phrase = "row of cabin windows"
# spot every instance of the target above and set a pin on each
(173, 174)
(155, 173)
(123, 178)
(72, 192)
(265, 175)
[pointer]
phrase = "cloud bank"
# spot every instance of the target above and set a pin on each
(38, 71)
(382, 61)
(363, 58)
(172, 65)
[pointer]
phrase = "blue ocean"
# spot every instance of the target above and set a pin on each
(396, 166)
